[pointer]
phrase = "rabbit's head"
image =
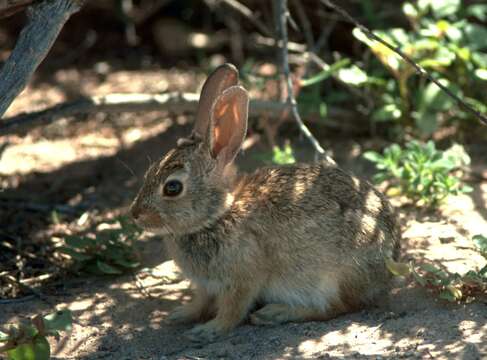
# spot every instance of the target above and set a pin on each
(190, 186)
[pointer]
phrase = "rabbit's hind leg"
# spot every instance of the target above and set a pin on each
(273, 314)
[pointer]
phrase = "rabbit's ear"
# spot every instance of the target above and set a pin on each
(220, 79)
(228, 125)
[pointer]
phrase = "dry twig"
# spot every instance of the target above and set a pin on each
(247, 13)
(46, 20)
(282, 27)
(305, 23)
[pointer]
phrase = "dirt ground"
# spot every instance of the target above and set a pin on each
(95, 165)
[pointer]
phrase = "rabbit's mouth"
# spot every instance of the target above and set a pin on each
(147, 219)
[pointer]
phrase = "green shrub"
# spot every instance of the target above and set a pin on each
(448, 286)
(446, 39)
(27, 341)
(420, 171)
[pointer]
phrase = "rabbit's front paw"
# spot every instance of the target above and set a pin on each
(206, 332)
(183, 314)
(271, 314)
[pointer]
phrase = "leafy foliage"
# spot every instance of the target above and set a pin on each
(449, 286)
(27, 341)
(445, 39)
(420, 171)
(110, 251)
(284, 156)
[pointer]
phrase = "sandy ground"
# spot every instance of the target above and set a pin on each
(99, 165)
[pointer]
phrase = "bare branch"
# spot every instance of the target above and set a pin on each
(46, 20)
(419, 69)
(247, 13)
(282, 26)
(305, 23)
(175, 103)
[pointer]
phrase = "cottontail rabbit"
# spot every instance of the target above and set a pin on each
(307, 241)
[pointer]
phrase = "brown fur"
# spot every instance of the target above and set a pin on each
(308, 241)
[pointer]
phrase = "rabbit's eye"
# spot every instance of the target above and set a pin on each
(172, 188)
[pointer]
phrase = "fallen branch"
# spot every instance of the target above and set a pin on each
(173, 102)
(282, 27)
(419, 69)
(46, 20)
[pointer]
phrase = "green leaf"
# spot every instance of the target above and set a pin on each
(74, 254)
(127, 263)
(38, 349)
(4, 336)
(107, 269)
(429, 268)
(457, 155)
(479, 11)
(388, 112)
(325, 73)
(457, 293)
(352, 75)
(480, 59)
(373, 156)
(409, 10)
(417, 277)
(477, 35)
(481, 74)
(480, 242)
(58, 321)
(447, 295)
(78, 256)
(432, 98)
(283, 157)
(443, 57)
(423, 5)
(397, 268)
(444, 8)
(427, 123)
(78, 242)
(323, 109)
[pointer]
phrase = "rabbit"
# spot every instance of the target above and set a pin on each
(308, 242)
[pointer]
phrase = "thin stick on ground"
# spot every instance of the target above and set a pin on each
(419, 69)
(282, 30)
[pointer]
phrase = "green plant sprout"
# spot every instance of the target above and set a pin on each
(420, 171)
(28, 341)
(449, 286)
(110, 251)
(284, 156)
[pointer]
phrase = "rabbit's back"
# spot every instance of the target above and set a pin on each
(321, 233)
(304, 204)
